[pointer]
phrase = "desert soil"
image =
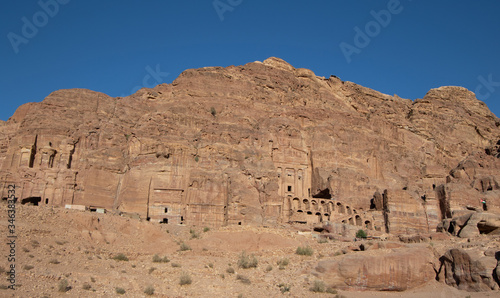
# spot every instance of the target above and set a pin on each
(56, 244)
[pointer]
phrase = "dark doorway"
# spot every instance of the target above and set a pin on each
(164, 221)
(32, 201)
(46, 201)
(323, 194)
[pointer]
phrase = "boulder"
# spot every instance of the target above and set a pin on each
(468, 270)
(399, 270)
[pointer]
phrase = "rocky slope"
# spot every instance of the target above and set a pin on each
(259, 144)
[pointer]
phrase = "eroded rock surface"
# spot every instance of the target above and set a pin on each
(258, 144)
(399, 270)
(469, 270)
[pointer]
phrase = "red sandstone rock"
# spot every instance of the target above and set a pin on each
(402, 269)
(258, 144)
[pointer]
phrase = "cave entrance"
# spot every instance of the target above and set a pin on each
(323, 194)
(164, 221)
(485, 228)
(31, 201)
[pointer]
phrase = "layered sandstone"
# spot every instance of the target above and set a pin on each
(258, 144)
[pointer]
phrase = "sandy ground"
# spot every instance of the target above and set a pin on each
(55, 244)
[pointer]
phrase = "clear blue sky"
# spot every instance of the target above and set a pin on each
(113, 46)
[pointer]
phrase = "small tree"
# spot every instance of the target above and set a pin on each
(361, 234)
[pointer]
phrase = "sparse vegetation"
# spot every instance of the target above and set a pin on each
(54, 261)
(151, 270)
(322, 241)
(185, 279)
(269, 268)
(61, 242)
(63, 286)
(92, 279)
(176, 265)
(196, 158)
(194, 234)
(35, 243)
(25, 249)
(120, 257)
(158, 259)
(230, 270)
(184, 247)
(211, 265)
(120, 291)
(149, 290)
(86, 286)
(213, 111)
(361, 234)
(243, 279)
(304, 251)
(318, 287)
(331, 290)
(283, 262)
(28, 267)
(246, 261)
(284, 288)
(206, 229)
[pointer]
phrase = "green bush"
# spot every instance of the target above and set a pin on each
(120, 291)
(28, 267)
(120, 257)
(149, 290)
(184, 247)
(361, 234)
(158, 259)
(284, 288)
(230, 270)
(318, 287)
(206, 229)
(246, 261)
(213, 111)
(185, 279)
(194, 234)
(331, 290)
(176, 265)
(304, 251)
(269, 268)
(283, 262)
(243, 279)
(64, 286)
(86, 286)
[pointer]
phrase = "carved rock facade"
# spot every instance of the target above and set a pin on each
(260, 144)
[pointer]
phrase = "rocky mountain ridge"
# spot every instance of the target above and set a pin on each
(259, 144)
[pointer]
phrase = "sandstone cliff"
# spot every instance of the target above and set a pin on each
(258, 144)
